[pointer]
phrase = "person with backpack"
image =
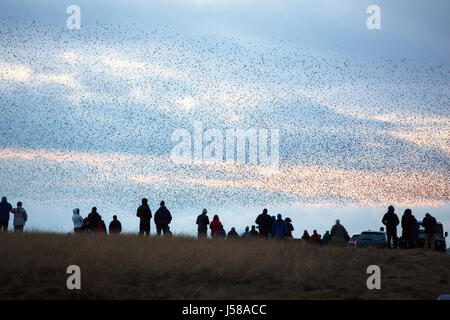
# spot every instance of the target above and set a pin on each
(289, 226)
(20, 217)
(339, 234)
(162, 219)
(429, 223)
(264, 222)
(144, 214)
(202, 222)
(77, 220)
(253, 232)
(5, 209)
(279, 228)
(390, 220)
(215, 227)
(115, 227)
(316, 238)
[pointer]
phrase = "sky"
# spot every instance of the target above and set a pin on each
(90, 115)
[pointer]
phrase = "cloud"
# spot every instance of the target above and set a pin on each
(311, 185)
(15, 72)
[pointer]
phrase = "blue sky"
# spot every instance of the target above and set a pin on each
(363, 115)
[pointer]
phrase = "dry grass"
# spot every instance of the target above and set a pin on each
(33, 266)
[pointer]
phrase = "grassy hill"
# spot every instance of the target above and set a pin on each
(33, 266)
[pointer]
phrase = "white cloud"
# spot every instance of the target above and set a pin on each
(15, 72)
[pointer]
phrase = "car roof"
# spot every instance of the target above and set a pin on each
(420, 221)
(369, 231)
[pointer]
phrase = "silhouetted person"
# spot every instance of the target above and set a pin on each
(279, 228)
(316, 238)
(264, 222)
(289, 226)
(246, 233)
(409, 226)
(429, 223)
(215, 226)
(338, 233)
(253, 232)
(145, 214)
(222, 234)
(305, 235)
(326, 238)
(5, 209)
(202, 222)
(101, 226)
(77, 220)
(94, 219)
(20, 217)
(115, 227)
(232, 234)
(390, 220)
(86, 227)
(162, 219)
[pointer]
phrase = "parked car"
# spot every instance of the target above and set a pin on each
(353, 239)
(376, 239)
(439, 237)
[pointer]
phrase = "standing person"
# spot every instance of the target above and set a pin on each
(202, 222)
(115, 227)
(93, 220)
(306, 236)
(316, 238)
(409, 226)
(253, 232)
(390, 220)
(338, 233)
(5, 209)
(264, 222)
(246, 233)
(101, 226)
(162, 219)
(215, 226)
(279, 228)
(429, 223)
(77, 220)
(326, 238)
(145, 214)
(20, 217)
(232, 233)
(289, 226)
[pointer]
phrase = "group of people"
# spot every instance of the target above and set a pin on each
(20, 215)
(410, 229)
(268, 226)
(94, 223)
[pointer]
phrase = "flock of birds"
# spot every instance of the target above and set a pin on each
(88, 115)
